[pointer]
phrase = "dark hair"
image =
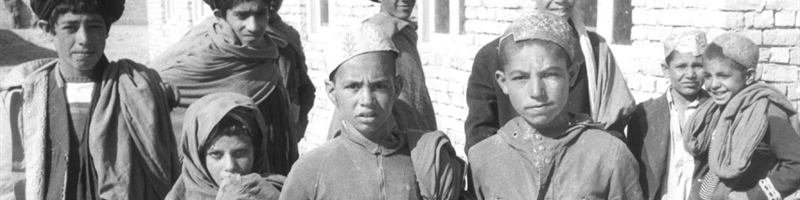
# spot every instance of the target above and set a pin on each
(715, 52)
(238, 122)
(507, 44)
(79, 7)
(224, 6)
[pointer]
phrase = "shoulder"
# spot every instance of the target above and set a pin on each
(489, 48)
(601, 142)
(315, 159)
(651, 105)
(484, 152)
(16, 77)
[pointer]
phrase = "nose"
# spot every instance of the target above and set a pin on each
(690, 73)
(81, 36)
(230, 165)
(535, 88)
(712, 84)
(251, 24)
(365, 97)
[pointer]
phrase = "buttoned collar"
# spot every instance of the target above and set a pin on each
(393, 144)
(520, 135)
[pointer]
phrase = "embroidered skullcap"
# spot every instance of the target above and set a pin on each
(691, 41)
(360, 39)
(110, 10)
(738, 48)
(543, 26)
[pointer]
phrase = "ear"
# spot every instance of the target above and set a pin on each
(42, 26)
(664, 68)
(750, 76)
(500, 77)
(398, 86)
(218, 13)
(573, 72)
(330, 86)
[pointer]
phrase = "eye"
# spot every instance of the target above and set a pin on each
(380, 86)
(519, 77)
(261, 13)
(240, 153)
(215, 154)
(352, 86)
(550, 74)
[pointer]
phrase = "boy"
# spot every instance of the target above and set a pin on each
(89, 128)
(231, 52)
(372, 159)
(414, 109)
(654, 132)
(546, 152)
(748, 132)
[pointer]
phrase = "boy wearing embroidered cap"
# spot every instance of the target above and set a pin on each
(748, 132)
(654, 132)
(547, 152)
(372, 159)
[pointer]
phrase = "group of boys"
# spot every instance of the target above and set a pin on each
(82, 127)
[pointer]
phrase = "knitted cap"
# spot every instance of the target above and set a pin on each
(692, 41)
(360, 39)
(543, 26)
(738, 48)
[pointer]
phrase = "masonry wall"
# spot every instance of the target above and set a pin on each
(772, 24)
(447, 58)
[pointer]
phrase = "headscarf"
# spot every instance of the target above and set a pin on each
(207, 60)
(692, 41)
(543, 26)
(111, 10)
(356, 40)
(731, 133)
(201, 118)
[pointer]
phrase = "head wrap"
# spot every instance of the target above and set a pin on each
(692, 41)
(356, 40)
(738, 48)
(111, 10)
(200, 119)
(543, 26)
(216, 4)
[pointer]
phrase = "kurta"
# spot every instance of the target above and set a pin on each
(490, 108)
(571, 162)
(414, 109)
(354, 167)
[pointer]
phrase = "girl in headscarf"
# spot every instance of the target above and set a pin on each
(224, 151)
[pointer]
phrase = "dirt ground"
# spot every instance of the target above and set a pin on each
(21, 45)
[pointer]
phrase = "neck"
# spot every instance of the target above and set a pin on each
(681, 99)
(70, 71)
(555, 127)
(377, 136)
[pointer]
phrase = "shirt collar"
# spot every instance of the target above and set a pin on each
(520, 135)
(692, 105)
(400, 23)
(392, 145)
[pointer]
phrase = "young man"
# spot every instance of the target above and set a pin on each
(413, 109)
(293, 68)
(654, 132)
(600, 90)
(372, 159)
(81, 127)
(747, 132)
(547, 152)
(231, 52)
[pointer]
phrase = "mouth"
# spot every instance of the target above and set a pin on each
(559, 11)
(367, 116)
(82, 54)
(538, 106)
(690, 84)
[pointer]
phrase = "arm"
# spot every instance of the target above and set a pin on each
(783, 140)
(306, 96)
(624, 183)
(301, 183)
(635, 142)
(482, 120)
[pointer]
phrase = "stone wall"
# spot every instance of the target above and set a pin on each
(772, 24)
(448, 57)
(135, 14)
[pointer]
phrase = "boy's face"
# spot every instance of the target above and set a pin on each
(398, 8)
(537, 80)
(249, 21)
(80, 40)
(365, 89)
(724, 80)
(685, 73)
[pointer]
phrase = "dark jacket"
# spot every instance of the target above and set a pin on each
(649, 141)
(490, 108)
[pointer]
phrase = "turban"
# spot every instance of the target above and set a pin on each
(110, 10)
(543, 26)
(356, 40)
(692, 41)
(227, 4)
(738, 48)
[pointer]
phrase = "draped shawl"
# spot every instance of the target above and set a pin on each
(208, 60)
(740, 125)
(129, 133)
(195, 181)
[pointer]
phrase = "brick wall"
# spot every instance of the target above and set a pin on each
(447, 58)
(135, 14)
(772, 24)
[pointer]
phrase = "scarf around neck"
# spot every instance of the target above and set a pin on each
(731, 133)
(208, 59)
